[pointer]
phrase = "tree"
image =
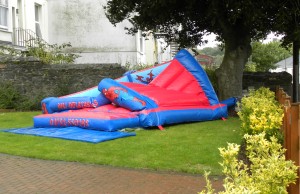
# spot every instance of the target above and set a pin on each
(236, 23)
(288, 23)
(266, 55)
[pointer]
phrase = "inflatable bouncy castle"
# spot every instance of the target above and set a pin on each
(174, 92)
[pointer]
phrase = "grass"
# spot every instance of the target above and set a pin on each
(190, 148)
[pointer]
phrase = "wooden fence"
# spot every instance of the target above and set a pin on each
(291, 131)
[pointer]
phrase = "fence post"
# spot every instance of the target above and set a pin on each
(287, 128)
(291, 131)
(294, 143)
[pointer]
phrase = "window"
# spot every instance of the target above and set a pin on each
(37, 12)
(3, 14)
(141, 41)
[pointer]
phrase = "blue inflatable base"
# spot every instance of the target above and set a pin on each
(72, 133)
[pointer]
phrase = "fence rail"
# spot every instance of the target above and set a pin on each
(291, 131)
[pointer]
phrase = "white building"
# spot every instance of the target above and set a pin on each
(284, 65)
(20, 19)
(82, 23)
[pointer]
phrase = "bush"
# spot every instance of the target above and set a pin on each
(44, 52)
(268, 172)
(137, 67)
(250, 67)
(51, 54)
(26, 103)
(260, 112)
(8, 96)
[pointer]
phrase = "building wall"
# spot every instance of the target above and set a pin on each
(83, 23)
(29, 16)
(156, 50)
(21, 14)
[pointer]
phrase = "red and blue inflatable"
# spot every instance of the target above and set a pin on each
(175, 92)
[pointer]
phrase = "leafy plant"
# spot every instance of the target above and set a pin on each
(11, 98)
(260, 112)
(46, 53)
(250, 67)
(264, 56)
(6, 50)
(26, 103)
(8, 95)
(137, 67)
(51, 54)
(268, 172)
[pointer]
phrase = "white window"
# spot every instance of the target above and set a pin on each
(141, 41)
(37, 11)
(4, 14)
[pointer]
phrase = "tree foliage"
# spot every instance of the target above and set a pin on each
(265, 56)
(187, 21)
(287, 21)
(236, 24)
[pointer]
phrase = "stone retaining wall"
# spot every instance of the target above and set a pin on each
(255, 80)
(35, 79)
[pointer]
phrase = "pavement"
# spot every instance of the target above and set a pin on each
(20, 175)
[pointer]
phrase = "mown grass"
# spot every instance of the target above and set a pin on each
(190, 148)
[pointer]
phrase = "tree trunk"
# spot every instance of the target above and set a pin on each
(230, 73)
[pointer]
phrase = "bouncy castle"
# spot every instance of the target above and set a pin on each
(174, 92)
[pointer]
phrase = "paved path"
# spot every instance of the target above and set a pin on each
(25, 175)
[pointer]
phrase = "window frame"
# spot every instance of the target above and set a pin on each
(4, 6)
(38, 19)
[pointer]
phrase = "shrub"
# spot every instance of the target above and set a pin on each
(11, 98)
(268, 172)
(8, 95)
(137, 67)
(26, 103)
(250, 67)
(260, 112)
(51, 54)
(46, 53)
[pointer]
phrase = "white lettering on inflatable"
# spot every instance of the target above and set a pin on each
(64, 122)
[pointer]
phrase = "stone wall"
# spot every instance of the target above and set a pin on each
(254, 80)
(35, 79)
(39, 80)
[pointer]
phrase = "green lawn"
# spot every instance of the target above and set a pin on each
(190, 148)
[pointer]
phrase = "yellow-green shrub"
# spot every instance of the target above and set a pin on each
(260, 112)
(268, 172)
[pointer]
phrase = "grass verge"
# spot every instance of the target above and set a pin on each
(190, 148)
